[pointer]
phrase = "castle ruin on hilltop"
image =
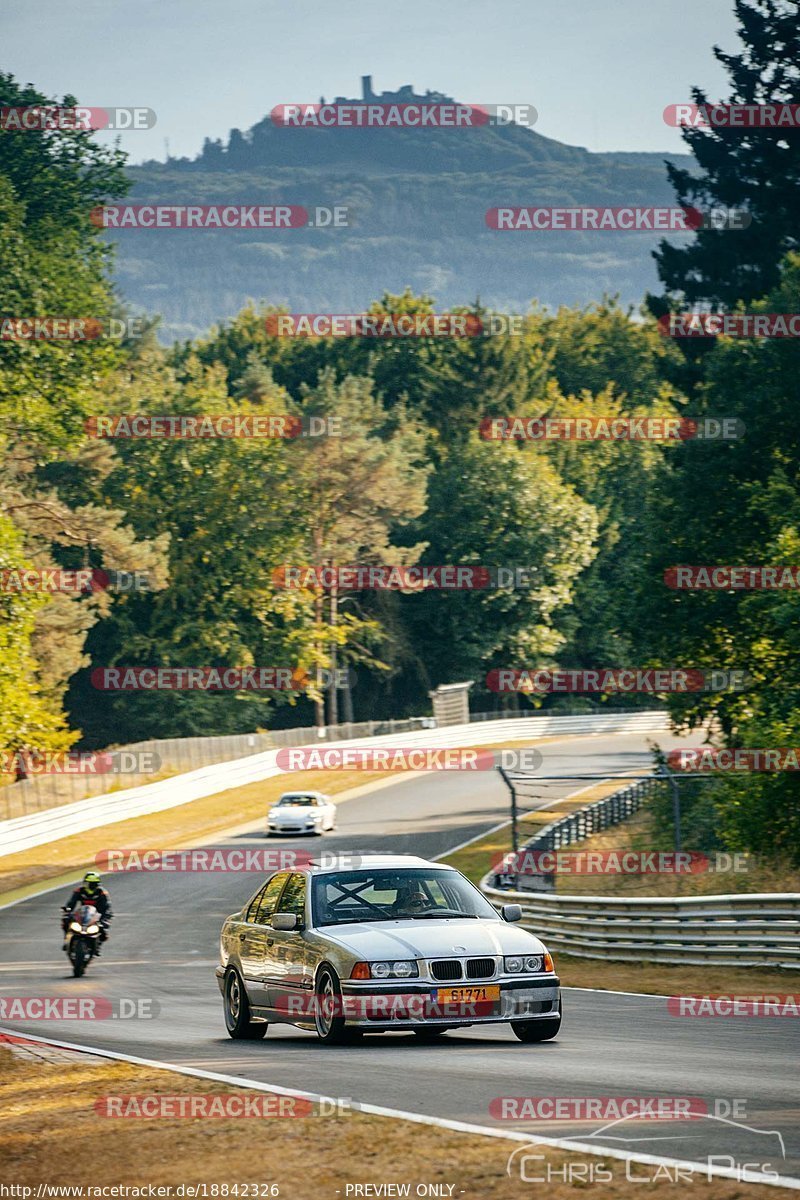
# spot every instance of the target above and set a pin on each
(404, 95)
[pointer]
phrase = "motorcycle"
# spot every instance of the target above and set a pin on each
(82, 937)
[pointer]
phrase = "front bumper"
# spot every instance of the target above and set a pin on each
(403, 1005)
(296, 828)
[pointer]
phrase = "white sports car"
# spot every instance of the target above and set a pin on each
(391, 943)
(302, 812)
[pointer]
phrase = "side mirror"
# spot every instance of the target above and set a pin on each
(511, 912)
(284, 922)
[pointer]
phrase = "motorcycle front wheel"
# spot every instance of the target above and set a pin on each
(80, 957)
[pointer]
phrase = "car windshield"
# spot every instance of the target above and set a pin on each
(306, 801)
(424, 894)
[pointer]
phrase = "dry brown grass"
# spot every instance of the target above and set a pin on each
(190, 823)
(50, 1134)
(638, 834)
(662, 979)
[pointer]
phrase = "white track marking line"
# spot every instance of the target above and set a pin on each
(420, 1118)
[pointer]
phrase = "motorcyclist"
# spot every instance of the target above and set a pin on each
(90, 891)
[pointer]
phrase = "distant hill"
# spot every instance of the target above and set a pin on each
(417, 199)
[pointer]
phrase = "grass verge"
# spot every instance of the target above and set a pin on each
(49, 1134)
(745, 873)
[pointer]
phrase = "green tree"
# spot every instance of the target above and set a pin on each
(753, 169)
(357, 488)
(491, 505)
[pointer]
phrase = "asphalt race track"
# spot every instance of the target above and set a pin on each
(164, 947)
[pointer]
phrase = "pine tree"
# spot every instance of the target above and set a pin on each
(756, 169)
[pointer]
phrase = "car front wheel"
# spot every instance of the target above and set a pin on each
(329, 1022)
(237, 1010)
(543, 1030)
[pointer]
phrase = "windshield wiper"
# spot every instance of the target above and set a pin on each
(360, 920)
(443, 916)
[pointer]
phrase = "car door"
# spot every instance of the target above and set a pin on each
(290, 979)
(253, 937)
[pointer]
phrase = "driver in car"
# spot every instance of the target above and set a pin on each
(409, 900)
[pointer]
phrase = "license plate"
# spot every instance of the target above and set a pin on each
(467, 995)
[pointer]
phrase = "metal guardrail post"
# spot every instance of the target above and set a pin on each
(676, 805)
(514, 822)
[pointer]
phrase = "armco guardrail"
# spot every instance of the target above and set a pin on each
(175, 756)
(731, 930)
(36, 829)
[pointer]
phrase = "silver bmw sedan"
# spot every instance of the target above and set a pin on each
(378, 943)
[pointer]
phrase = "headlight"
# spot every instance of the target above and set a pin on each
(529, 964)
(404, 970)
(394, 970)
(93, 929)
(75, 927)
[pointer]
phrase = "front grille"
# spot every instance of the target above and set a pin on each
(480, 968)
(446, 968)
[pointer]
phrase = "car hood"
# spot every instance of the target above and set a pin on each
(293, 810)
(431, 939)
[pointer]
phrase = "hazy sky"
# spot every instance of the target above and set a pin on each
(599, 72)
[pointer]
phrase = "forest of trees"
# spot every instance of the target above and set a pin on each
(209, 521)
